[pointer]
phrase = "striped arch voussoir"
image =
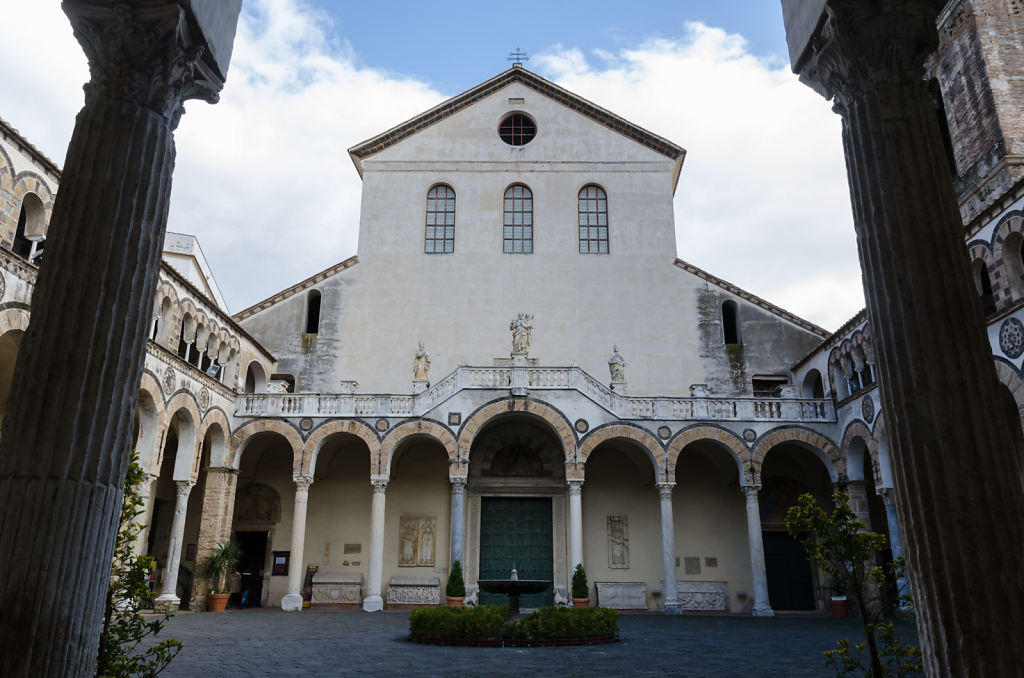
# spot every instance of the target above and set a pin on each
(13, 319)
(415, 429)
(306, 464)
(713, 434)
(241, 438)
(628, 433)
(797, 435)
(557, 421)
(859, 429)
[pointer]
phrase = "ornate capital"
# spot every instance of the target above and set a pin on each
(863, 45)
(380, 485)
(183, 487)
(147, 54)
(751, 491)
(888, 495)
(575, 486)
(665, 490)
(302, 483)
(458, 484)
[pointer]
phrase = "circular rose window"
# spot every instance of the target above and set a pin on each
(517, 129)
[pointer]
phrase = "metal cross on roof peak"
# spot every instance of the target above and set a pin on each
(517, 55)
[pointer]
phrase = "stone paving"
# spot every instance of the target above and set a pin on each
(343, 643)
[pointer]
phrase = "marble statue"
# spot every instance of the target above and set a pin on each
(617, 365)
(420, 364)
(618, 542)
(521, 333)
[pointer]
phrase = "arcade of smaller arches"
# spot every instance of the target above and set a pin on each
(852, 365)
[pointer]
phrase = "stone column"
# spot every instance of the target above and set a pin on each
(168, 598)
(374, 602)
(458, 540)
(145, 490)
(762, 606)
(292, 601)
(668, 549)
(895, 538)
(67, 433)
(575, 524)
(214, 524)
(858, 492)
(950, 446)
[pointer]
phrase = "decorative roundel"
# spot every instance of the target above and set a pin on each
(582, 426)
(204, 399)
(749, 434)
(867, 408)
(170, 380)
(517, 129)
(382, 425)
(1011, 338)
(664, 432)
(306, 424)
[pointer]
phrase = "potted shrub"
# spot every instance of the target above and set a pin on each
(839, 604)
(580, 589)
(221, 559)
(455, 589)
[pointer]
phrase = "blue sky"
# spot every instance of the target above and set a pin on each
(264, 180)
(454, 45)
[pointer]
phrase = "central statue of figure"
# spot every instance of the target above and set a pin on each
(521, 333)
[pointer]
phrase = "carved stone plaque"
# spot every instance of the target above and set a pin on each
(703, 595)
(618, 542)
(417, 538)
(414, 591)
(170, 380)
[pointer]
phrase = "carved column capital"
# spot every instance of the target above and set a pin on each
(183, 487)
(751, 491)
(888, 495)
(458, 484)
(302, 483)
(147, 54)
(665, 490)
(575, 486)
(380, 485)
(867, 44)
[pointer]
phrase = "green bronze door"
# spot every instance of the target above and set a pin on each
(516, 531)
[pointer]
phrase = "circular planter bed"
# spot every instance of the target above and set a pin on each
(539, 641)
(488, 626)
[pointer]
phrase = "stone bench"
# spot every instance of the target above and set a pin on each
(414, 591)
(337, 589)
(622, 595)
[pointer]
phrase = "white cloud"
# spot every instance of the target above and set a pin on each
(762, 200)
(264, 179)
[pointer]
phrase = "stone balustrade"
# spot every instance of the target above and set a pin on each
(538, 379)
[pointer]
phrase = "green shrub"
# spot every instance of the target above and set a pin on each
(580, 589)
(482, 621)
(456, 587)
(488, 621)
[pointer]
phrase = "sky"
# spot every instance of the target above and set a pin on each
(264, 180)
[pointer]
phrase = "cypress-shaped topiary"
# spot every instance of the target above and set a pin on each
(580, 589)
(456, 587)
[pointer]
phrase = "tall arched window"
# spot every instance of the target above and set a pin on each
(31, 225)
(731, 322)
(593, 210)
(518, 223)
(313, 312)
(440, 234)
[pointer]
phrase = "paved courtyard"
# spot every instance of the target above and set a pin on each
(343, 643)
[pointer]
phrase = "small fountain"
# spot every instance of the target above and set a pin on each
(514, 587)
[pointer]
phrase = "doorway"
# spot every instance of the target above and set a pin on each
(516, 531)
(790, 580)
(250, 566)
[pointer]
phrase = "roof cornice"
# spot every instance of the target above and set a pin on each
(312, 280)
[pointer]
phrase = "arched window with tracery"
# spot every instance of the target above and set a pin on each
(440, 233)
(593, 220)
(518, 222)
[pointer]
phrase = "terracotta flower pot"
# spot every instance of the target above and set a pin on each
(840, 607)
(217, 602)
(454, 601)
(581, 602)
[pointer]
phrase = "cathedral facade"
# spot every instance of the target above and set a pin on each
(516, 372)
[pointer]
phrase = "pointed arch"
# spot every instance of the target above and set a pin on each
(216, 417)
(185, 407)
(714, 434)
(415, 429)
(306, 463)
(240, 439)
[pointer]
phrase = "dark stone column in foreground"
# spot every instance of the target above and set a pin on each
(67, 430)
(958, 494)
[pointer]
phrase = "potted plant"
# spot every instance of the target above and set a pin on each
(221, 559)
(580, 589)
(455, 589)
(839, 604)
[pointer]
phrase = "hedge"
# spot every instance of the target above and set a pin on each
(428, 624)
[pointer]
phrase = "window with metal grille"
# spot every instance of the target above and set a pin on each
(440, 235)
(518, 224)
(593, 206)
(517, 129)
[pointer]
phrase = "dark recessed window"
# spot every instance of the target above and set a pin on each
(517, 130)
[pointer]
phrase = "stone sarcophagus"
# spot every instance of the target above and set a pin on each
(703, 595)
(337, 589)
(414, 591)
(622, 595)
